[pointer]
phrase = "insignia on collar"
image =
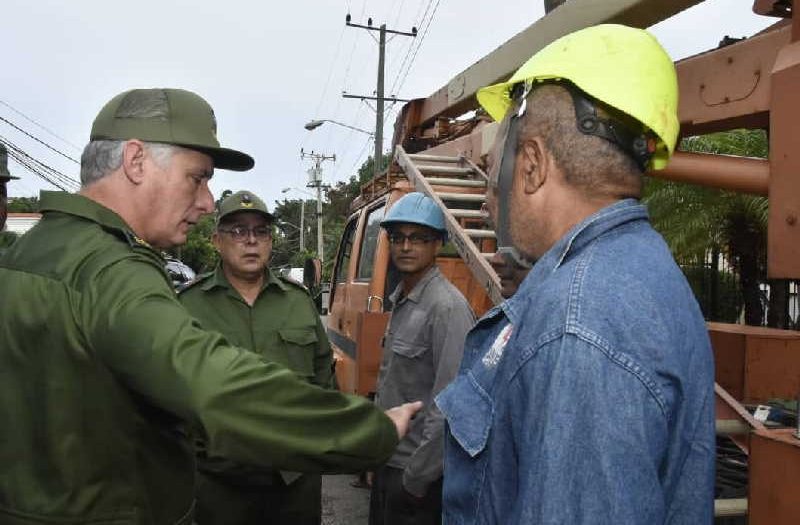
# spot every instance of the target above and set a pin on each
(139, 240)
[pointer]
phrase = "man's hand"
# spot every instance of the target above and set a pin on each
(402, 414)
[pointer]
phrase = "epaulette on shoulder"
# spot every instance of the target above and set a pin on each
(197, 280)
(298, 284)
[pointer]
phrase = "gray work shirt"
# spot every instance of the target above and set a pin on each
(422, 351)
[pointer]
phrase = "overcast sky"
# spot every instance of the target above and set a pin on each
(267, 68)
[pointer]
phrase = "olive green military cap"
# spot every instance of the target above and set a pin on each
(242, 201)
(4, 174)
(168, 116)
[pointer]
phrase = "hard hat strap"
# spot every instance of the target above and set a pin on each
(640, 146)
(505, 181)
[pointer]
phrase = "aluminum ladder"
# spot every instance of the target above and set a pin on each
(459, 188)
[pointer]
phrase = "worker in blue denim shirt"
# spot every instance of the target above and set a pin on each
(588, 396)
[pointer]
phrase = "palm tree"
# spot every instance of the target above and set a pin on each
(696, 221)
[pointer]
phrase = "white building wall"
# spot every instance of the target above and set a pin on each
(20, 223)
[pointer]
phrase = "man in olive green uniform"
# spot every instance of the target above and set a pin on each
(104, 374)
(6, 238)
(257, 309)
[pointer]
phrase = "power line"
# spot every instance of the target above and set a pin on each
(345, 77)
(40, 141)
(40, 126)
(421, 41)
(419, 24)
(360, 155)
(380, 98)
(39, 168)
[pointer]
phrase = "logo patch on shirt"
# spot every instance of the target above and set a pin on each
(494, 354)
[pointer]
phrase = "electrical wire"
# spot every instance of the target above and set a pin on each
(40, 126)
(418, 25)
(392, 110)
(39, 168)
(422, 40)
(40, 141)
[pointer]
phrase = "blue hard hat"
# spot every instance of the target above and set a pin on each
(416, 208)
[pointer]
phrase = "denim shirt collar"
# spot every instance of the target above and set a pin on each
(572, 242)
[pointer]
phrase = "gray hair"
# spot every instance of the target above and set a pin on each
(101, 157)
(591, 163)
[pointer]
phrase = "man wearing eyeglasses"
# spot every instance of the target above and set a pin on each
(422, 350)
(257, 309)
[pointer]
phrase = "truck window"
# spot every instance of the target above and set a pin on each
(346, 248)
(369, 243)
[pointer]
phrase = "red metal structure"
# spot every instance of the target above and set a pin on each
(751, 83)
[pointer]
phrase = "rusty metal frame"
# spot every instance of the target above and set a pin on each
(729, 410)
(754, 83)
(458, 96)
(774, 496)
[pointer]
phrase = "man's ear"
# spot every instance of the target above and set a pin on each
(215, 240)
(532, 163)
(133, 156)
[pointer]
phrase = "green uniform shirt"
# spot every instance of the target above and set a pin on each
(282, 326)
(6, 240)
(101, 370)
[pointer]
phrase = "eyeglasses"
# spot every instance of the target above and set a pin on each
(242, 233)
(415, 239)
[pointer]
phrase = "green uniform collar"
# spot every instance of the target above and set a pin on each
(218, 278)
(84, 207)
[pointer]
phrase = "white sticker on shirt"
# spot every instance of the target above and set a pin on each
(494, 354)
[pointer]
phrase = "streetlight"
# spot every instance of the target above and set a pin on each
(314, 124)
(302, 215)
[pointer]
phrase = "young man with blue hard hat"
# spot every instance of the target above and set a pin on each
(422, 349)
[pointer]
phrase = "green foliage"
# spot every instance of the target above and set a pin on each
(721, 300)
(339, 197)
(198, 253)
(286, 249)
(694, 219)
(23, 205)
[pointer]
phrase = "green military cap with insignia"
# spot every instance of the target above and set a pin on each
(167, 116)
(242, 201)
(4, 173)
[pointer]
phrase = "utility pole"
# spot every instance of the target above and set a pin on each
(302, 225)
(380, 99)
(315, 181)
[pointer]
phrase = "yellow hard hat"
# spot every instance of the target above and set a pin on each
(620, 66)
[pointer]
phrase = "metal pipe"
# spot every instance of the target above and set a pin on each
(732, 427)
(727, 172)
(730, 507)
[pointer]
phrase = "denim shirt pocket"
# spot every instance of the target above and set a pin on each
(469, 411)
